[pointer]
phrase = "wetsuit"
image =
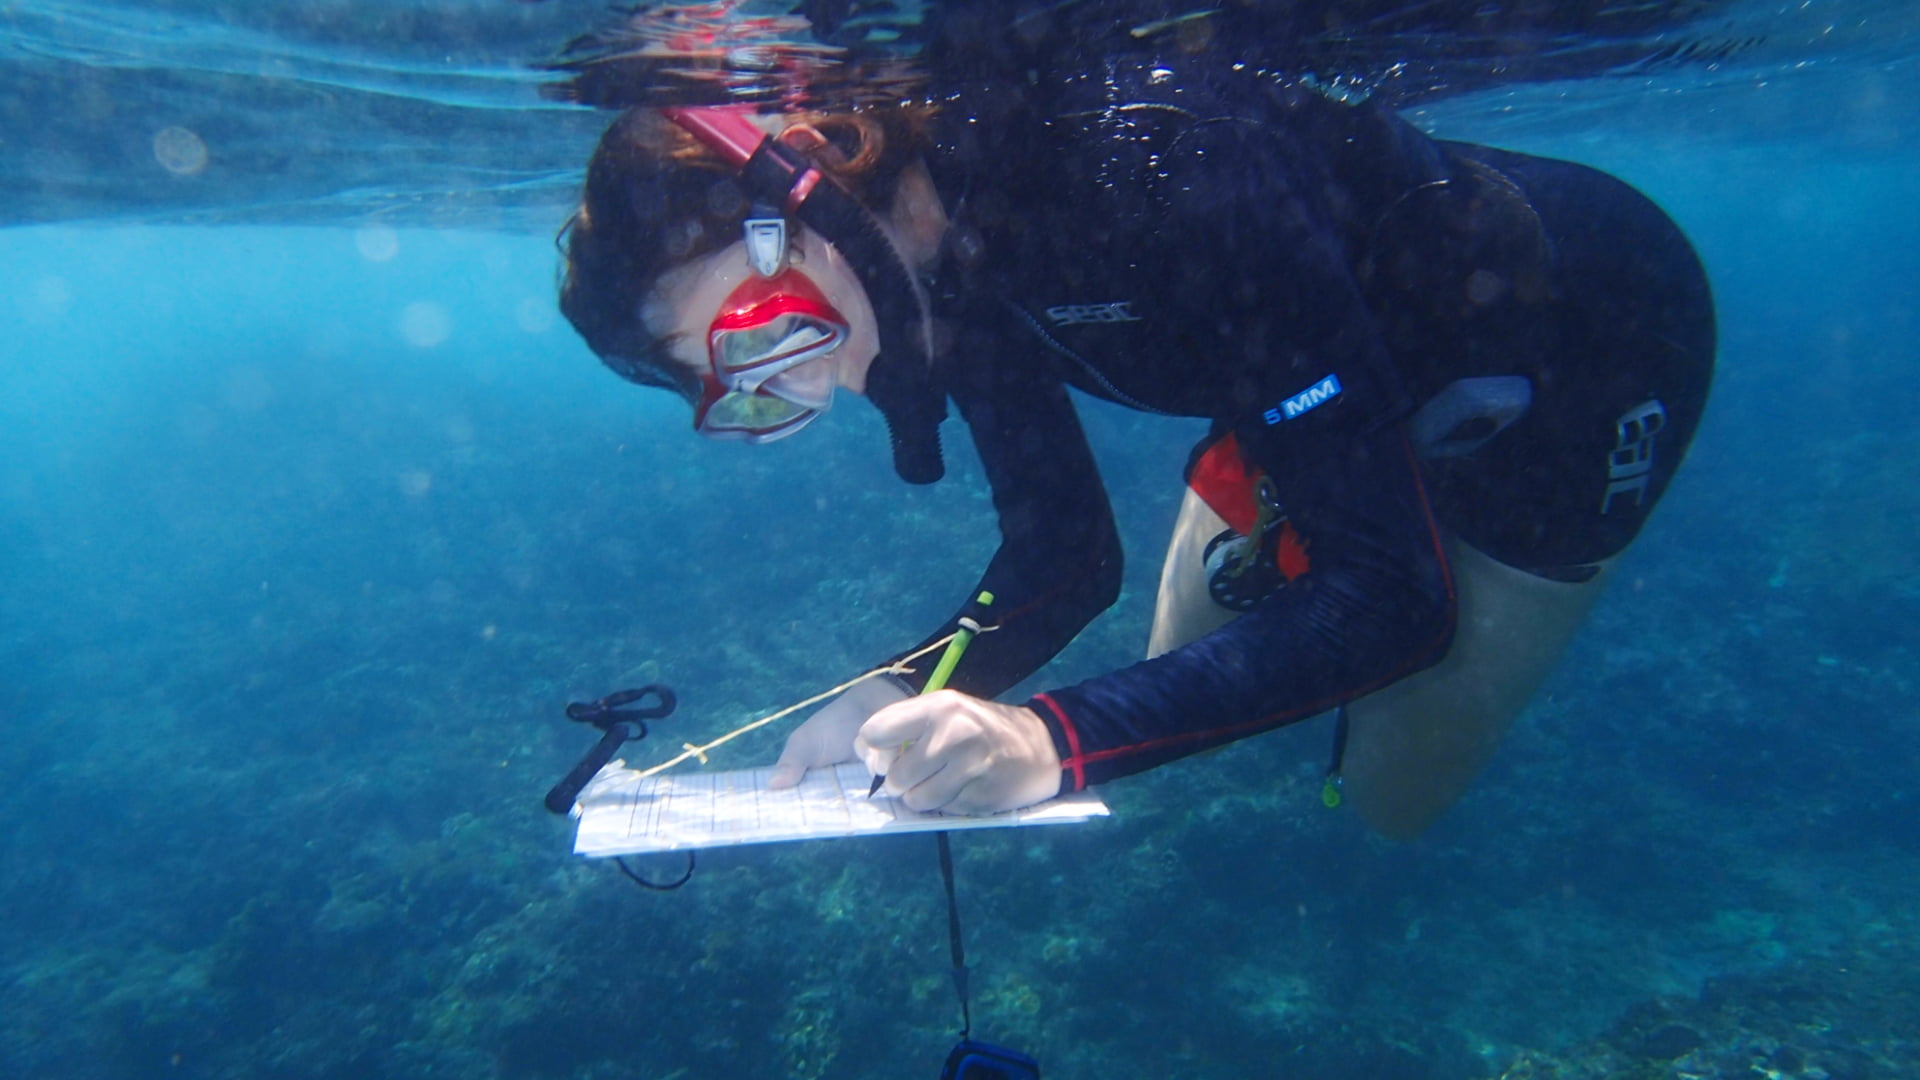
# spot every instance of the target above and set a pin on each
(1304, 273)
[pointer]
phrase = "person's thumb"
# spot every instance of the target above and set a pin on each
(794, 762)
(895, 727)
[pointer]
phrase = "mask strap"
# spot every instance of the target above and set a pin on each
(774, 172)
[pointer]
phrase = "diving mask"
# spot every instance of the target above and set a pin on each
(763, 383)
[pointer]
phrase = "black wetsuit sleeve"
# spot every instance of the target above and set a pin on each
(1375, 605)
(1059, 562)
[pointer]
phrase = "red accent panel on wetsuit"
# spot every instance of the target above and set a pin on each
(1222, 480)
(1380, 606)
(1067, 740)
(1290, 552)
(1225, 484)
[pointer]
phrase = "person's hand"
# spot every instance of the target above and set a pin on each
(962, 755)
(826, 738)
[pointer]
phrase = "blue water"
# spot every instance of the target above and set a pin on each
(310, 526)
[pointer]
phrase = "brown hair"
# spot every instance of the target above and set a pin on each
(656, 197)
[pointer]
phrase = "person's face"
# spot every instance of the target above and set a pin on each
(686, 304)
(683, 305)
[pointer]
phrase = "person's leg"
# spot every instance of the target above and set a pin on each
(1414, 747)
(1184, 610)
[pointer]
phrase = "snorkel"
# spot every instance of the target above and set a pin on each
(901, 382)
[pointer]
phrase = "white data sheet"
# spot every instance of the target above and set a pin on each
(622, 813)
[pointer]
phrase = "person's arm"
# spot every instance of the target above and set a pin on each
(1375, 605)
(1318, 407)
(1058, 565)
(1059, 560)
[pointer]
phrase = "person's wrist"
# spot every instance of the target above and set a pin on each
(1037, 737)
(1054, 723)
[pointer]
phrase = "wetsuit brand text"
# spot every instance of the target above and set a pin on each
(1630, 464)
(1311, 398)
(1075, 314)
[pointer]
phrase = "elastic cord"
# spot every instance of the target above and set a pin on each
(958, 951)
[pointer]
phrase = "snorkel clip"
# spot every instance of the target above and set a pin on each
(765, 233)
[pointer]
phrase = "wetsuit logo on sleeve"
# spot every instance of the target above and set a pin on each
(1075, 314)
(1305, 401)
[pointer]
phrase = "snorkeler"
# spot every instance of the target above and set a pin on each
(1447, 385)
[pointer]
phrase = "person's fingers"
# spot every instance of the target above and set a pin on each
(957, 754)
(906, 767)
(826, 738)
(804, 750)
(902, 722)
(996, 791)
(889, 732)
(950, 775)
(801, 753)
(936, 767)
(786, 774)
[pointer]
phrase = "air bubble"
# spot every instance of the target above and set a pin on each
(179, 151)
(424, 324)
(376, 243)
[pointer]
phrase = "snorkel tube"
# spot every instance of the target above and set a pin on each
(901, 382)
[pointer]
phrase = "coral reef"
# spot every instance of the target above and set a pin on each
(286, 679)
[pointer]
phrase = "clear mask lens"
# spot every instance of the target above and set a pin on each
(767, 346)
(751, 355)
(755, 416)
(809, 384)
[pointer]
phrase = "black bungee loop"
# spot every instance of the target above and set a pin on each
(970, 1059)
(656, 886)
(954, 946)
(620, 724)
